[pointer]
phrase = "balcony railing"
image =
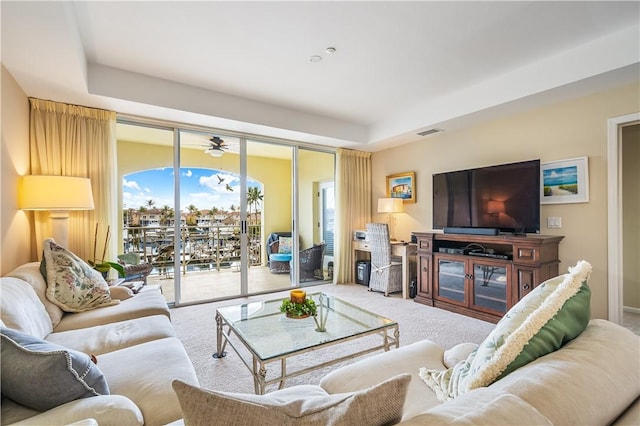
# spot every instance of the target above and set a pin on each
(202, 247)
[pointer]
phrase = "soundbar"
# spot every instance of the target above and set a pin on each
(492, 255)
(471, 231)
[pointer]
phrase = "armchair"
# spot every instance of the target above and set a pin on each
(279, 258)
(133, 269)
(311, 263)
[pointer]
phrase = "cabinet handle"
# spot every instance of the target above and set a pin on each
(525, 287)
(424, 269)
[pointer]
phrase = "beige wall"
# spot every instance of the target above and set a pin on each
(565, 130)
(16, 226)
(631, 215)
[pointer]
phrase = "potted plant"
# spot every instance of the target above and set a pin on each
(298, 307)
(101, 265)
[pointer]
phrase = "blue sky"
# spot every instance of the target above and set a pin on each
(200, 187)
(560, 175)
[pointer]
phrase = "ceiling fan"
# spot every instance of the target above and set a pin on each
(216, 147)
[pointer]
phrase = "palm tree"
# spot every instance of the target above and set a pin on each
(193, 214)
(150, 203)
(166, 213)
(254, 198)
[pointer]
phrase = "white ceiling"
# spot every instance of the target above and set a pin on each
(399, 67)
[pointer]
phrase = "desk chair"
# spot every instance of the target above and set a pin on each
(386, 271)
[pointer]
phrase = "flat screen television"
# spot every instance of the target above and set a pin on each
(504, 197)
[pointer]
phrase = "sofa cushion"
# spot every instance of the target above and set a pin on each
(303, 404)
(143, 373)
(42, 375)
(111, 337)
(590, 381)
(30, 272)
(72, 284)
(370, 371)
(554, 313)
(105, 409)
(143, 304)
(21, 308)
(482, 407)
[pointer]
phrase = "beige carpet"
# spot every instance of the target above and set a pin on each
(196, 328)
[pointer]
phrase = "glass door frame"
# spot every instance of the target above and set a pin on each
(176, 128)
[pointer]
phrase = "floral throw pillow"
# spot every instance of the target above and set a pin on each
(551, 315)
(72, 284)
(285, 244)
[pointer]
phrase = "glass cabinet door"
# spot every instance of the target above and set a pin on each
(490, 287)
(451, 279)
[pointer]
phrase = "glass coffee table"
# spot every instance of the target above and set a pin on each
(269, 336)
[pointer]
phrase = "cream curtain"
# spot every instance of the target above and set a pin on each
(353, 207)
(71, 140)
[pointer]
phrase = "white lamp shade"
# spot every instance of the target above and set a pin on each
(389, 205)
(55, 193)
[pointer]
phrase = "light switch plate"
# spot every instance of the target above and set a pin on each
(554, 222)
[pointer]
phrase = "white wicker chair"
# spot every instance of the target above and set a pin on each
(386, 273)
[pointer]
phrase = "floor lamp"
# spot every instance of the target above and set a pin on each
(390, 206)
(58, 195)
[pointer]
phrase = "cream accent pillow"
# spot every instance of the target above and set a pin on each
(304, 404)
(72, 284)
(551, 315)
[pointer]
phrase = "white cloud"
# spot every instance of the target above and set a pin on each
(130, 184)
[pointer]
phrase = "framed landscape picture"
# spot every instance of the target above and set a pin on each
(564, 181)
(402, 185)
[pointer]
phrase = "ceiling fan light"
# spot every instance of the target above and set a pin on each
(214, 152)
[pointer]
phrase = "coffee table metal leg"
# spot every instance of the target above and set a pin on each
(259, 376)
(396, 335)
(221, 340)
(283, 372)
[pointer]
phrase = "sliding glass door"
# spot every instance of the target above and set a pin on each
(269, 219)
(315, 216)
(211, 192)
(215, 214)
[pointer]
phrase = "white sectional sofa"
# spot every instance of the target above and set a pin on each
(134, 343)
(592, 380)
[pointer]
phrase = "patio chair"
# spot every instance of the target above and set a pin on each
(386, 271)
(134, 270)
(311, 263)
(278, 255)
(163, 259)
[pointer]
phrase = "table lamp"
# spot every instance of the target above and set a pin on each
(390, 206)
(58, 195)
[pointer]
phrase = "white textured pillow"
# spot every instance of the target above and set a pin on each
(72, 284)
(304, 404)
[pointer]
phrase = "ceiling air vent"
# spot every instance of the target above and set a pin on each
(429, 132)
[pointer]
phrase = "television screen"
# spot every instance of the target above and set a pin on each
(505, 197)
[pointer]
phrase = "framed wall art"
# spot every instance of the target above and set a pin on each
(402, 185)
(564, 181)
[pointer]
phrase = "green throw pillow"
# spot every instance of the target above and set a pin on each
(42, 375)
(551, 315)
(72, 284)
